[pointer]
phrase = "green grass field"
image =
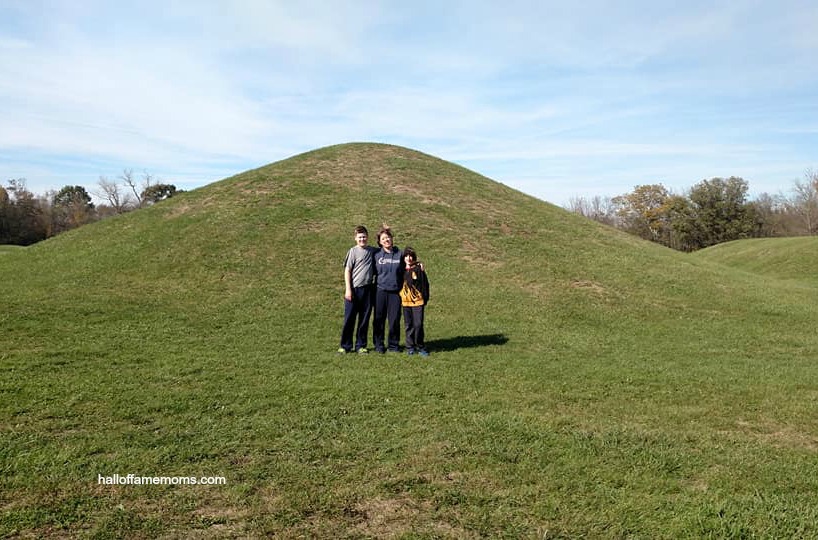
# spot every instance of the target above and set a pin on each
(582, 383)
(9, 249)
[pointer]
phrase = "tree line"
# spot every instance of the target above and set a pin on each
(712, 211)
(26, 218)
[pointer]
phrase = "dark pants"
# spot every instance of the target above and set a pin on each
(360, 307)
(413, 317)
(387, 307)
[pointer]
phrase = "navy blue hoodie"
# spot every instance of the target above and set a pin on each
(389, 269)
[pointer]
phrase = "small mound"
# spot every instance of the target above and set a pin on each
(780, 258)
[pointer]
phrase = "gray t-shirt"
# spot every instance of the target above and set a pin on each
(362, 263)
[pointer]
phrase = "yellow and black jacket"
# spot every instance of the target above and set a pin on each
(415, 290)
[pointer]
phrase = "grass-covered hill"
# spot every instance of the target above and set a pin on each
(793, 259)
(582, 383)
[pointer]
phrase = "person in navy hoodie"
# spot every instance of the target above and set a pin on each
(388, 283)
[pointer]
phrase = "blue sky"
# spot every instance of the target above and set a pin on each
(556, 99)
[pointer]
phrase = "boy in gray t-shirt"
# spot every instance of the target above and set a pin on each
(359, 273)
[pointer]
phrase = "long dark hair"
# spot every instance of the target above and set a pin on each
(411, 252)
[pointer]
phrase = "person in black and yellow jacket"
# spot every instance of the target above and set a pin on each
(414, 296)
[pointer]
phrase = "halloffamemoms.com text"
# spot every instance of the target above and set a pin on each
(137, 480)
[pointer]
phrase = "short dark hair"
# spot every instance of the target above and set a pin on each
(410, 252)
(384, 230)
(361, 229)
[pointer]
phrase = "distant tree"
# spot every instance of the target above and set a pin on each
(774, 215)
(129, 180)
(5, 216)
(22, 221)
(103, 211)
(157, 192)
(765, 206)
(73, 194)
(46, 214)
(713, 211)
(718, 212)
(685, 232)
(71, 208)
(645, 212)
(804, 202)
(111, 192)
(597, 208)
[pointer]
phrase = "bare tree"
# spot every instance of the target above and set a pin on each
(597, 208)
(111, 192)
(804, 201)
(129, 180)
(774, 217)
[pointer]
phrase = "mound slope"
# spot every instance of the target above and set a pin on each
(289, 223)
(272, 239)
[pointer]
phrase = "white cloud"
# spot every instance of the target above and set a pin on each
(588, 91)
(115, 101)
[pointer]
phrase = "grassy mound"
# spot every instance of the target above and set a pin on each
(779, 258)
(581, 383)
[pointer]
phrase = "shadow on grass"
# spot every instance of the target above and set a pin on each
(466, 342)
